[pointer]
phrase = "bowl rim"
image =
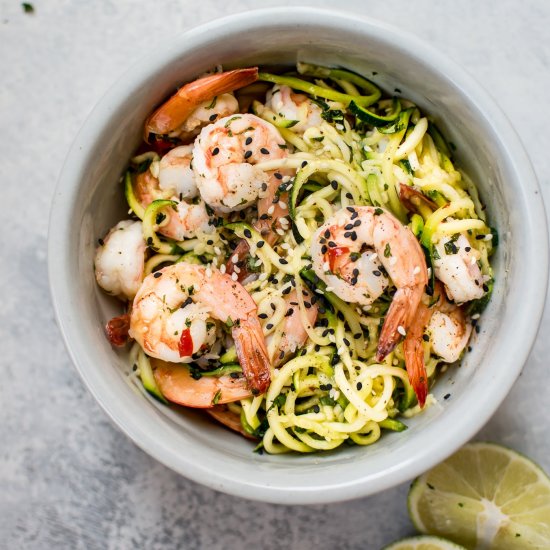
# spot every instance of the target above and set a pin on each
(535, 272)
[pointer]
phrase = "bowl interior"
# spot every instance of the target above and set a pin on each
(90, 201)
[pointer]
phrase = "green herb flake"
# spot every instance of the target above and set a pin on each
(387, 251)
(217, 397)
(27, 7)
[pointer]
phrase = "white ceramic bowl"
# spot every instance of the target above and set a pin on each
(89, 200)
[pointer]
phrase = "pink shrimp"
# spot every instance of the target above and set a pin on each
(173, 313)
(174, 112)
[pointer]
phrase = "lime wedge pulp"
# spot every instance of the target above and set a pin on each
(484, 497)
(424, 543)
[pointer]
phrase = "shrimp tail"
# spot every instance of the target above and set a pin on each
(397, 320)
(414, 353)
(252, 353)
(176, 110)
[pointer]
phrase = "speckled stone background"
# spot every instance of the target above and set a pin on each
(70, 479)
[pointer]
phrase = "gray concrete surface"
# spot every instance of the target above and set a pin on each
(68, 478)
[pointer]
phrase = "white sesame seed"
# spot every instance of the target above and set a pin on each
(401, 331)
(234, 276)
(488, 237)
(339, 126)
(373, 256)
(429, 271)
(285, 246)
(341, 350)
(326, 267)
(217, 250)
(222, 268)
(395, 361)
(393, 260)
(286, 179)
(262, 277)
(279, 231)
(237, 269)
(258, 263)
(416, 270)
(215, 261)
(475, 316)
(235, 258)
(319, 291)
(331, 338)
(282, 204)
(289, 187)
(473, 260)
(208, 272)
(271, 209)
(329, 289)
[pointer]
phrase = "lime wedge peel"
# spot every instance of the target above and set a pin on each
(485, 496)
(423, 543)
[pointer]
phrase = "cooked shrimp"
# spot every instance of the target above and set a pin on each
(177, 385)
(183, 104)
(294, 334)
(445, 328)
(119, 260)
(456, 267)
(350, 250)
(292, 106)
(176, 182)
(209, 111)
(173, 318)
(224, 159)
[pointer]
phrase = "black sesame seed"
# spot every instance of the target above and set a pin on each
(477, 329)
(353, 236)
(234, 375)
(157, 274)
(348, 227)
(101, 242)
(269, 326)
(334, 184)
(326, 234)
(248, 154)
(283, 261)
(262, 315)
(485, 288)
(346, 341)
(467, 248)
(357, 336)
(347, 234)
(304, 164)
(307, 305)
(248, 140)
(289, 312)
(210, 242)
(278, 175)
(322, 310)
(376, 273)
(264, 217)
(264, 151)
(425, 337)
(272, 306)
(213, 117)
(357, 223)
(259, 244)
(446, 396)
(359, 385)
(324, 249)
(316, 408)
(287, 290)
(340, 316)
(349, 196)
(325, 333)
(354, 215)
(215, 151)
(247, 233)
(332, 244)
(480, 237)
(350, 209)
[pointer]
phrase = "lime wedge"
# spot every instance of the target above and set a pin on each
(485, 497)
(423, 543)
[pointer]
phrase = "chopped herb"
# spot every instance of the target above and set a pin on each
(217, 397)
(27, 7)
(387, 251)
(213, 104)
(378, 211)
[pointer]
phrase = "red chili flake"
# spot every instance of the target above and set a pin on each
(117, 330)
(334, 254)
(185, 345)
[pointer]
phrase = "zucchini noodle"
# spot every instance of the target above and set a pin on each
(364, 150)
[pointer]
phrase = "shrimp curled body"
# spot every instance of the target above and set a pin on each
(174, 313)
(351, 252)
(224, 159)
